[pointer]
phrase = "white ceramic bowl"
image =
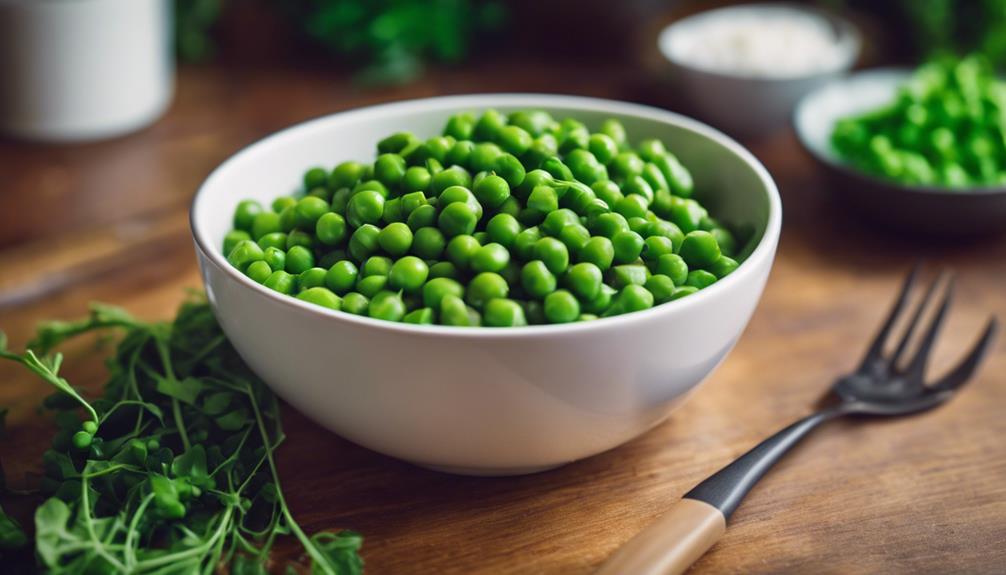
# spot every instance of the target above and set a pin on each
(748, 105)
(483, 400)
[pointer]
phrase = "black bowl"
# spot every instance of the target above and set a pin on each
(925, 209)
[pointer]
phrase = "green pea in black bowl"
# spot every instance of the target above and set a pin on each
(923, 209)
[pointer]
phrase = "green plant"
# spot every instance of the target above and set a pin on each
(172, 470)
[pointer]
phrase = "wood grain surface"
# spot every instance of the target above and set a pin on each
(926, 494)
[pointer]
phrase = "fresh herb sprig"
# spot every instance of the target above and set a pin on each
(172, 470)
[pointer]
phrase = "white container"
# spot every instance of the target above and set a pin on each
(74, 70)
(484, 400)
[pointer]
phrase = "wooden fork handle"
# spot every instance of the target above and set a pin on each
(671, 543)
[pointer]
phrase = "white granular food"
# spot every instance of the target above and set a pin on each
(768, 42)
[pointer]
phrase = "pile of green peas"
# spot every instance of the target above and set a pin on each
(946, 127)
(503, 220)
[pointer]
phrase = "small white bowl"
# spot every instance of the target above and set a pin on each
(748, 105)
(482, 400)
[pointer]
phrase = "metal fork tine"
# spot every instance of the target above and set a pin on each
(960, 374)
(917, 365)
(876, 349)
(914, 323)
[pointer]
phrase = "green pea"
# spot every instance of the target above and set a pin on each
(412, 201)
(437, 148)
(444, 270)
(437, 288)
(601, 302)
(370, 185)
(640, 225)
(726, 241)
(503, 313)
(299, 238)
(683, 291)
(503, 229)
(330, 229)
(585, 166)
(453, 176)
(699, 249)
(492, 191)
(453, 311)
(599, 251)
(244, 253)
(661, 287)
(484, 287)
(376, 266)
(700, 279)
(422, 217)
(258, 271)
(535, 122)
(309, 209)
(686, 214)
(460, 250)
(543, 199)
(386, 305)
(661, 204)
(523, 245)
(639, 186)
(679, 179)
(346, 175)
(460, 126)
(627, 274)
(395, 143)
(556, 220)
(408, 274)
(614, 130)
(483, 156)
(363, 243)
(389, 169)
(651, 149)
(365, 207)
(632, 206)
(355, 303)
(723, 266)
(288, 218)
(428, 243)
(420, 316)
(395, 239)
(603, 147)
(457, 218)
(574, 138)
(575, 236)
(628, 245)
(460, 153)
(557, 169)
(233, 238)
(536, 280)
(299, 259)
(321, 193)
(584, 280)
(532, 180)
(608, 225)
(314, 277)
(672, 266)
(340, 200)
(544, 146)
(655, 178)
(265, 223)
(341, 277)
(281, 282)
(656, 246)
(561, 307)
(491, 257)
(392, 211)
(489, 125)
(580, 198)
(508, 167)
(554, 253)
(416, 178)
(275, 257)
(321, 296)
(283, 202)
(370, 285)
(514, 139)
(626, 165)
(244, 214)
(632, 298)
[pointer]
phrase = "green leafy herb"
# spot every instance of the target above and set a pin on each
(173, 469)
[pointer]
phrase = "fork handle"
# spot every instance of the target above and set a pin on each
(677, 539)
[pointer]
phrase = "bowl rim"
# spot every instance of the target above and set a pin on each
(848, 38)
(764, 249)
(805, 107)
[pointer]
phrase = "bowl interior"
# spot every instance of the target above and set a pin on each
(729, 181)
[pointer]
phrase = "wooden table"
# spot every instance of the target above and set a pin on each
(107, 222)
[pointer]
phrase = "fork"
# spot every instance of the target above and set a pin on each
(883, 385)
